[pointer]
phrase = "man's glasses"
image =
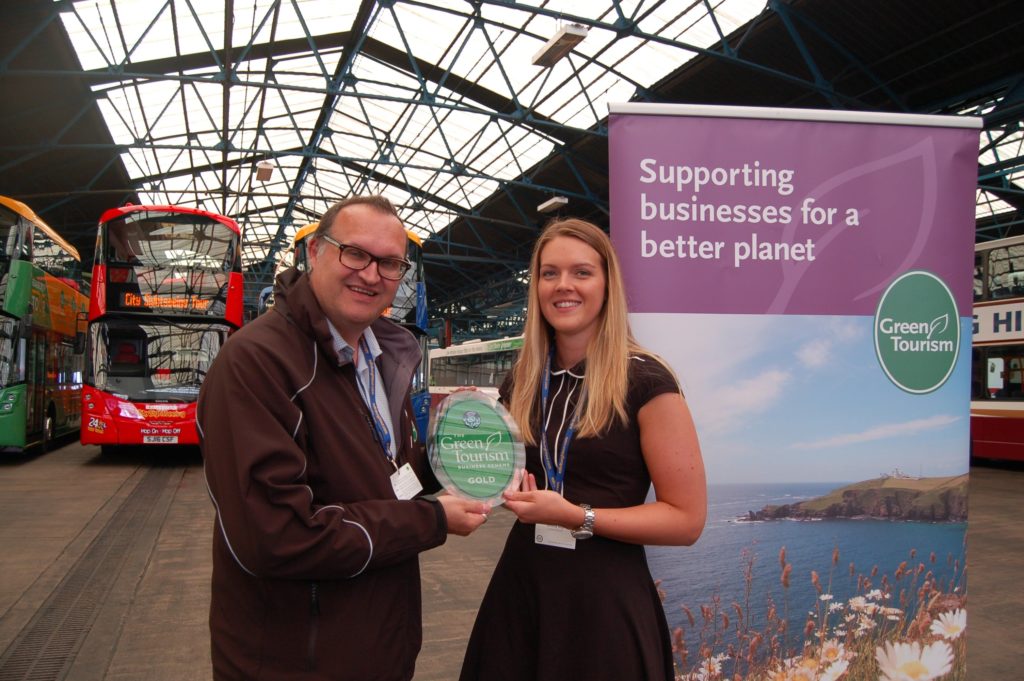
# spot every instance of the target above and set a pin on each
(356, 258)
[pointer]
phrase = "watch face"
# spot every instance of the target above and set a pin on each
(582, 534)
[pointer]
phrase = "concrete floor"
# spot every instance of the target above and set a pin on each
(104, 571)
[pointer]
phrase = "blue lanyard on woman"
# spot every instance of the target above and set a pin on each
(554, 470)
(380, 429)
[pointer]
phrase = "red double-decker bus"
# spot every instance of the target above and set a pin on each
(166, 292)
(997, 388)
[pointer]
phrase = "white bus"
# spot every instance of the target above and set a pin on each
(480, 363)
(997, 389)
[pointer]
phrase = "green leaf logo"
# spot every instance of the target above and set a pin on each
(938, 325)
(917, 332)
(474, 448)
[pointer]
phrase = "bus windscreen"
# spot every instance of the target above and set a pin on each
(168, 264)
(148, 362)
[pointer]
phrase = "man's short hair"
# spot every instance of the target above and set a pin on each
(377, 201)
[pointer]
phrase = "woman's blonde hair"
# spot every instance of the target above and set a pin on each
(608, 351)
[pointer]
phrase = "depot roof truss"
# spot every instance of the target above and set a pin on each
(434, 104)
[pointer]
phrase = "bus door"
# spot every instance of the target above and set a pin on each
(35, 382)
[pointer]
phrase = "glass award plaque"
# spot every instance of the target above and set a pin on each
(475, 448)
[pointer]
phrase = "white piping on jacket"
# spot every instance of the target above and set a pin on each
(220, 524)
(216, 506)
(309, 489)
(368, 540)
(295, 431)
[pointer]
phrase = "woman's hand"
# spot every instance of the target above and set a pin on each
(532, 505)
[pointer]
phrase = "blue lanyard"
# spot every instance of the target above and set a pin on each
(380, 429)
(554, 471)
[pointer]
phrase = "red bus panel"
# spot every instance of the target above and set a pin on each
(997, 435)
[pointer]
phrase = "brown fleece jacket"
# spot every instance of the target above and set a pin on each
(315, 562)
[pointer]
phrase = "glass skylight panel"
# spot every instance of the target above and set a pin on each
(474, 61)
(88, 52)
(147, 35)
(93, 30)
(137, 163)
(352, 145)
(430, 30)
(319, 16)
(509, 154)
(339, 184)
(531, 151)
(988, 204)
(371, 115)
(254, 250)
(732, 14)
(381, 122)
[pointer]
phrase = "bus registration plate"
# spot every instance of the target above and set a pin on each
(160, 439)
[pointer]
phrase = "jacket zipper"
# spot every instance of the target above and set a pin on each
(314, 625)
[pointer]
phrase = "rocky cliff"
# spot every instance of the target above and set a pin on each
(890, 498)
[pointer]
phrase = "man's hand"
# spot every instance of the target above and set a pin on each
(463, 515)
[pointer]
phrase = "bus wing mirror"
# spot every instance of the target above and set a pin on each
(25, 329)
(81, 320)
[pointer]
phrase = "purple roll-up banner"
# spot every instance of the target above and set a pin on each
(808, 275)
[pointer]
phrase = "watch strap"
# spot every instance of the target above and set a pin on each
(586, 530)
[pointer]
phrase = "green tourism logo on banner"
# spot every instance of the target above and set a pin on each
(917, 332)
(475, 449)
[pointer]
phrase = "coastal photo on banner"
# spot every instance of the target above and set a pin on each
(808, 275)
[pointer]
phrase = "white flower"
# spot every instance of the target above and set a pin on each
(834, 671)
(864, 625)
(911, 662)
(805, 669)
(874, 594)
(950, 624)
(859, 604)
(825, 597)
(710, 668)
(831, 651)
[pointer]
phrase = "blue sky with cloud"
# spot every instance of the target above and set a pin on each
(804, 399)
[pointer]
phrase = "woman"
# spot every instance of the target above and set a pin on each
(571, 596)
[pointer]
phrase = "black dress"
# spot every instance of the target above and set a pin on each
(593, 613)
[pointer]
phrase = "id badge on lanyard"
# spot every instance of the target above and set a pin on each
(404, 481)
(554, 467)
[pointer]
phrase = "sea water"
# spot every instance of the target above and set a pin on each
(715, 568)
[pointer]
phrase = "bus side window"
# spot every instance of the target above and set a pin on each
(1013, 379)
(995, 377)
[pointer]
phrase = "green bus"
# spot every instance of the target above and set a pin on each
(42, 310)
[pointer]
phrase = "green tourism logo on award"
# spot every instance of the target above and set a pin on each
(917, 332)
(475, 449)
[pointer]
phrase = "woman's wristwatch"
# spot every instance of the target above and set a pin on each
(586, 530)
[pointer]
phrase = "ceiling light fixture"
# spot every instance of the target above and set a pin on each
(263, 170)
(552, 204)
(568, 37)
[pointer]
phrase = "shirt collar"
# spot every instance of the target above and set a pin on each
(576, 371)
(346, 352)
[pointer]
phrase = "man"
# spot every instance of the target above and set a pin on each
(307, 437)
